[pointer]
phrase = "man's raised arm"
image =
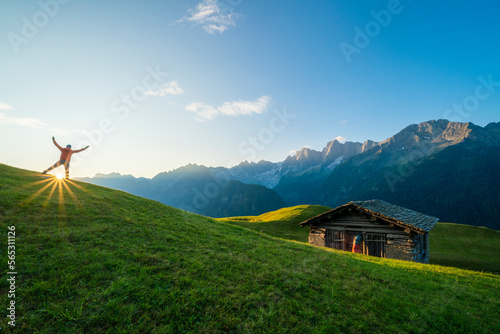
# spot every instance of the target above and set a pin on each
(82, 149)
(55, 143)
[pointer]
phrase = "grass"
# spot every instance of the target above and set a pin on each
(454, 245)
(464, 246)
(92, 259)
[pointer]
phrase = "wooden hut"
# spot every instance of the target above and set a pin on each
(385, 230)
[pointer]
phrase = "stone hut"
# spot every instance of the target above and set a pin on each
(378, 228)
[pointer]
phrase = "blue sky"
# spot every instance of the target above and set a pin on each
(155, 85)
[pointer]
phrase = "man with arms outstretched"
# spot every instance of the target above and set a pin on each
(66, 154)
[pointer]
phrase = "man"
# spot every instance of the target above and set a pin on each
(65, 158)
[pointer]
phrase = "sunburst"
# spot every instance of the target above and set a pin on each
(54, 182)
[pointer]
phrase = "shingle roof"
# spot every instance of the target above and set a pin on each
(399, 214)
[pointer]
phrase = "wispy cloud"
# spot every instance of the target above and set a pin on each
(28, 122)
(340, 139)
(235, 108)
(5, 106)
(212, 17)
(170, 88)
(344, 121)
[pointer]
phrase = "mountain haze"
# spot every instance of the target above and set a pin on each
(197, 189)
(446, 169)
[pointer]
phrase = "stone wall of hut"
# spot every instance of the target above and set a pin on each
(400, 246)
(399, 252)
(317, 239)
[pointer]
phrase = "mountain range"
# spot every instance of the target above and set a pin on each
(450, 170)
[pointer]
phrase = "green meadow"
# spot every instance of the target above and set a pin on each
(95, 260)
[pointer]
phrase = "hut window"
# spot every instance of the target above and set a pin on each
(374, 244)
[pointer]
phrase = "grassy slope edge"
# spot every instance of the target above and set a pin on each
(102, 260)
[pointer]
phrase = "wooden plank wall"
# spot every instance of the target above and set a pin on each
(386, 240)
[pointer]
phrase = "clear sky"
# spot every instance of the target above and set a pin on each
(155, 85)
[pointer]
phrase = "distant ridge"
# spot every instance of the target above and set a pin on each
(197, 189)
(448, 169)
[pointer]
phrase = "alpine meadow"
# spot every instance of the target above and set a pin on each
(95, 259)
(250, 167)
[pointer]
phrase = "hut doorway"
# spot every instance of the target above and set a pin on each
(343, 240)
(349, 242)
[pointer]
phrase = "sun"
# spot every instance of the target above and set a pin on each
(59, 176)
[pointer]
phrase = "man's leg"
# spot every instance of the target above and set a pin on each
(57, 164)
(66, 168)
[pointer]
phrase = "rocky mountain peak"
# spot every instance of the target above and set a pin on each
(331, 146)
(368, 145)
(418, 140)
(307, 153)
(335, 149)
(433, 134)
(302, 159)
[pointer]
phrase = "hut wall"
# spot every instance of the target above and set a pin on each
(317, 239)
(414, 248)
(426, 258)
(421, 251)
(317, 236)
(402, 251)
(400, 243)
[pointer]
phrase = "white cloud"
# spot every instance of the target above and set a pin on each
(235, 108)
(28, 122)
(212, 17)
(170, 88)
(344, 121)
(340, 139)
(5, 106)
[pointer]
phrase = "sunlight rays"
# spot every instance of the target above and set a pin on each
(47, 179)
(38, 193)
(70, 192)
(49, 185)
(47, 200)
(62, 208)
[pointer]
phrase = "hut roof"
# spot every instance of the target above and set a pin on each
(394, 213)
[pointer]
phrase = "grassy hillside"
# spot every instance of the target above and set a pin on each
(91, 259)
(455, 245)
(464, 246)
(282, 223)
